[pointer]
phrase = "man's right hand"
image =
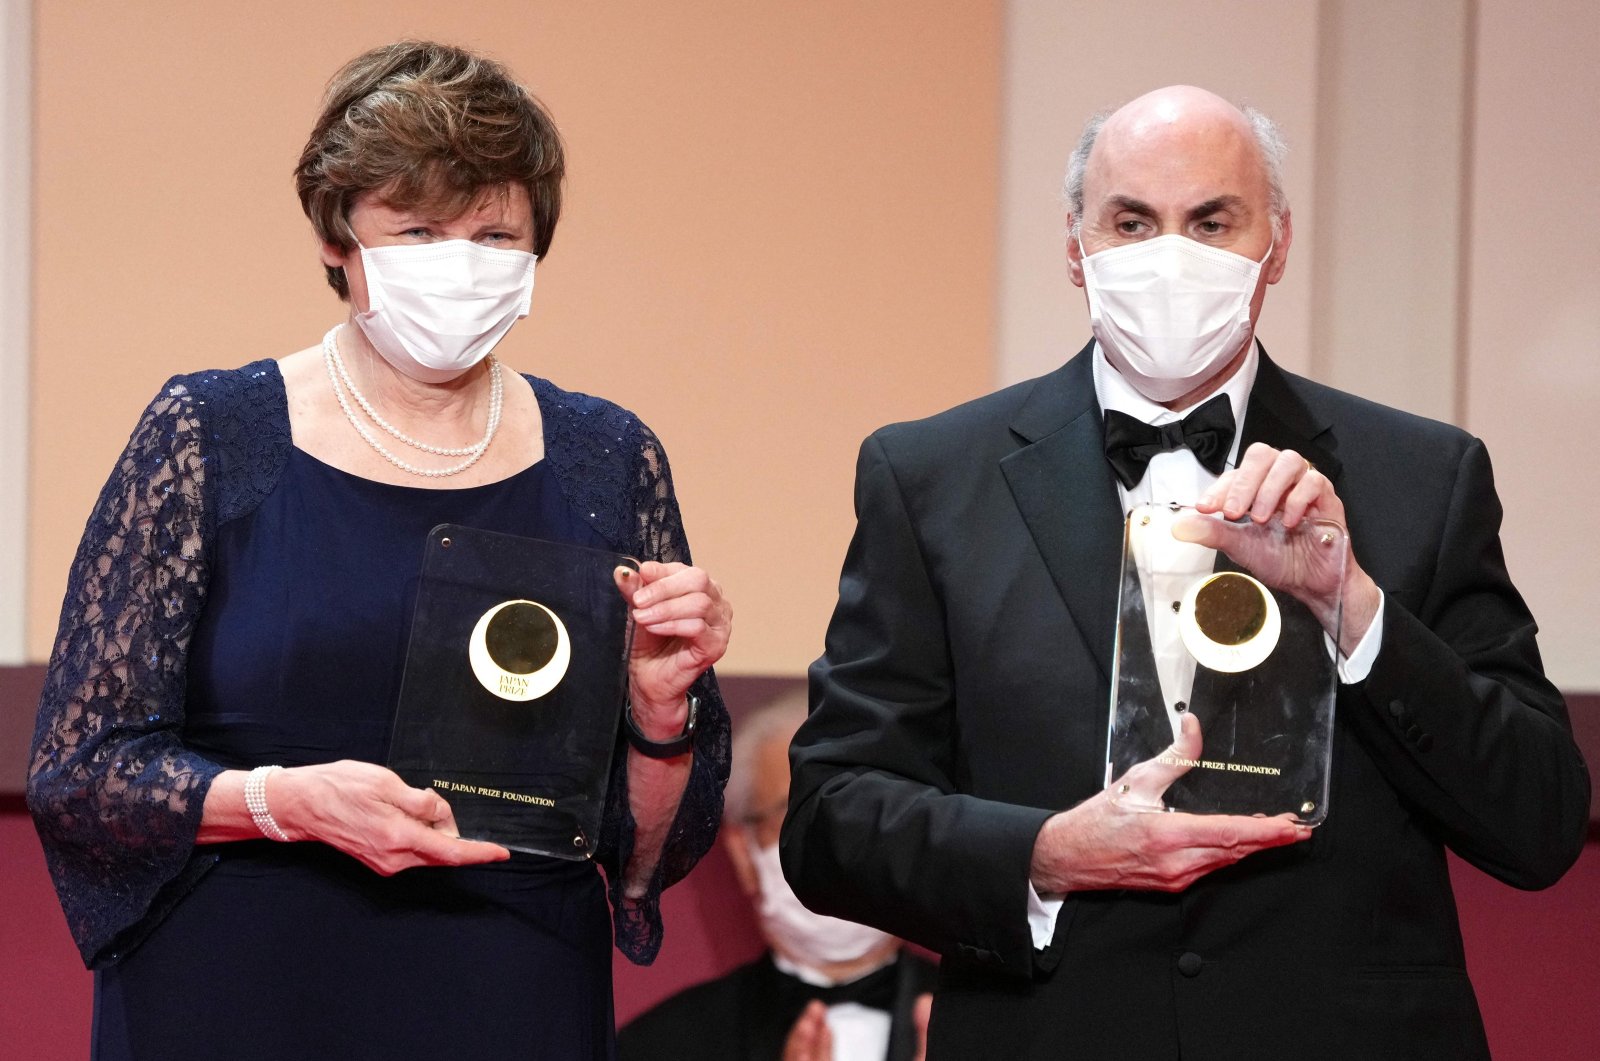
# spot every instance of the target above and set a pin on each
(1109, 842)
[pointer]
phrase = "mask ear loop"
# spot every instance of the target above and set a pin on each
(1090, 290)
(368, 274)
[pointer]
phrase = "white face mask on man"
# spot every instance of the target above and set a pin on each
(810, 939)
(436, 309)
(1169, 312)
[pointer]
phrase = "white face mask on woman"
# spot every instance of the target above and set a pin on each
(812, 940)
(436, 309)
(1169, 312)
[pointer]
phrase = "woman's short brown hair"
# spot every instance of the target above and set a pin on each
(426, 124)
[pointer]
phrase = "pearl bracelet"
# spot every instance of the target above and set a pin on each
(255, 801)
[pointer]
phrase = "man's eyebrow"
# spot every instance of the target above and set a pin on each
(1217, 205)
(1127, 202)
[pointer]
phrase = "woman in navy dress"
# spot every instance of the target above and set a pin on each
(242, 876)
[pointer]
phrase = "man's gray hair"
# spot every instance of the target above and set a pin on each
(775, 720)
(1269, 140)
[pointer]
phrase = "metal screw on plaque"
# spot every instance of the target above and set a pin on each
(1307, 807)
(1144, 521)
(444, 543)
(578, 841)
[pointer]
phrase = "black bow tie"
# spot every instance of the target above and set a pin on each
(876, 989)
(1208, 432)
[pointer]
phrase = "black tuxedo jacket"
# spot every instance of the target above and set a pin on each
(747, 1015)
(963, 697)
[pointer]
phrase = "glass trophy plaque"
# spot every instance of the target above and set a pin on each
(1234, 624)
(514, 683)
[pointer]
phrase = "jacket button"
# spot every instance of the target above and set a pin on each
(1413, 731)
(1424, 742)
(1397, 709)
(1189, 963)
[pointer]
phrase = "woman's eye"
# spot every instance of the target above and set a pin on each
(416, 233)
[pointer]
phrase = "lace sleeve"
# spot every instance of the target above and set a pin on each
(658, 535)
(115, 796)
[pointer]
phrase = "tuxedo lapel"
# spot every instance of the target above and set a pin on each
(1064, 490)
(769, 1005)
(1276, 416)
(902, 1018)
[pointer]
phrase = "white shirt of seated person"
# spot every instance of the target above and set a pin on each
(860, 1033)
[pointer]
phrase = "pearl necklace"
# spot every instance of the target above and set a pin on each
(337, 373)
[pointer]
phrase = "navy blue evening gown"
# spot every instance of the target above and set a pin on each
(296, 950)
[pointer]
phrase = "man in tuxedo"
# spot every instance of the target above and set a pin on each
(949, 785)
(826, 990)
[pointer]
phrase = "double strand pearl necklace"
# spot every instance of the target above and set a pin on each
(337, 373)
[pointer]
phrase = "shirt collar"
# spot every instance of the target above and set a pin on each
(816, 978)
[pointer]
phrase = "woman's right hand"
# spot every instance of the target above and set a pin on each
(369, 813)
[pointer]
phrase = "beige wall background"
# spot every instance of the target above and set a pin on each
(791, 223)
(16, 265)
(779, 235)
(1531, 376)
(1063, 63)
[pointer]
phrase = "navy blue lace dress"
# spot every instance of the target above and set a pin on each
(236, 602)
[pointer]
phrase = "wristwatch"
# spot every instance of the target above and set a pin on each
(662, 749)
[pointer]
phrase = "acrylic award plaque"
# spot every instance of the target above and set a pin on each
(513, 688)
(1235, 624)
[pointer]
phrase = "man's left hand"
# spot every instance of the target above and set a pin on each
(1272, 483)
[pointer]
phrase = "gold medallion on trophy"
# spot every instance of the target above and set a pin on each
(519, 650)
(1229, 622)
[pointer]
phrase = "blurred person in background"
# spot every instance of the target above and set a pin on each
(826, 990)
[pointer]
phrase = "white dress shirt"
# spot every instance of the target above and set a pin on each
(860, 1033)
(1177, 476)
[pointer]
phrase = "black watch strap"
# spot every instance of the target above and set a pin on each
(662, 749)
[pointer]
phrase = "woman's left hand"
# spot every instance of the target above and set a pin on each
(681, 627)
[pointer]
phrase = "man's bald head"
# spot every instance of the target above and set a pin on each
(1205, 119)
(758, 777)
